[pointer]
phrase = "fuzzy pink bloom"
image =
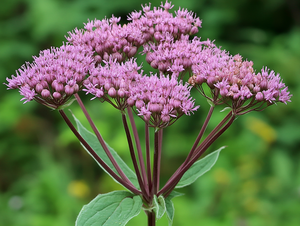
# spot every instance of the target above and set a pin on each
(110, 39)
(113, 80)
(232, 79)
(54, 76)
(161, 101)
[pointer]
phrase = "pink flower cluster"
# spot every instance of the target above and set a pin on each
(113, 80)
(109, 39)
(100, 57)
(54, 76)
(154, 25)
(161, 101)
(158, 100)
(105, 37)
(175, 56)
(236, 80)
(229, 77)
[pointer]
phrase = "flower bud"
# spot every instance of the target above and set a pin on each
(154, 64)
(56, 95)
(39, 88)
(69, 90)
(118, 56)
(157, 36)
(130, 101)
(139, 104)
(99, 49)
(132, 51)
(194, 30)
(149, 57)
(259, 96)
(165, 118)
(76, 88)
(45, 93)
(121, 93)
(112, 92)
(153, 107)
(98, 58)
(105, 56)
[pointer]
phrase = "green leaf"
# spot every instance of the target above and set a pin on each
(92, 140)
(159, 206)
(114, 208)
(198, 169)
(170, 210)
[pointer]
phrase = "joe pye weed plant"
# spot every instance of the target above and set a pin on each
(100, 61)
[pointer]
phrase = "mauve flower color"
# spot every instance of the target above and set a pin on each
(54, 76)
(233, 81)
(113, 81)
(160, 101)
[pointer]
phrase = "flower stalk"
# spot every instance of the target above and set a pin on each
(129, 186)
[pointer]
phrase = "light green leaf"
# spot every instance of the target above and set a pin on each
(159, 206)
(198, 169)
(114, 208)
(92, 140)
(170, 210)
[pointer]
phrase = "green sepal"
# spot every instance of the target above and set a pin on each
(67, 104)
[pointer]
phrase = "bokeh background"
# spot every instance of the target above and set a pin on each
(45, 175)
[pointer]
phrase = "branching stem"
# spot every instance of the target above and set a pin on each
(129, 186)
(102, 142)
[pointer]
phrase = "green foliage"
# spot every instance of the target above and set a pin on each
(114, 208)
(159, 206)
(198, 169)
(170, 210)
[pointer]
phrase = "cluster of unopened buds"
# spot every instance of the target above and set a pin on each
(101, 60)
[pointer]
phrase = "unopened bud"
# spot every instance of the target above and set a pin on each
(56, 95)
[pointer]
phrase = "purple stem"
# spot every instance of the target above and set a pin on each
(151, 218)
(214, 134)
(145, 190)
(160, 138)
(129, 186)
(201, 133)
(138, 147)
(191, 153)
(156, 162)
(148, 157)
(102, 142)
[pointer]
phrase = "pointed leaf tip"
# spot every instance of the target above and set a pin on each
(199, 168)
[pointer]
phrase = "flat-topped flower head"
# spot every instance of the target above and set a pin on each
(154, 24)
(233, 81)
(174, 56)
(112, 81)
(160, 101)
(54, 76)
(107, 38)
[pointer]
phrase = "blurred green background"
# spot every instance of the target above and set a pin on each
(45, 175)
